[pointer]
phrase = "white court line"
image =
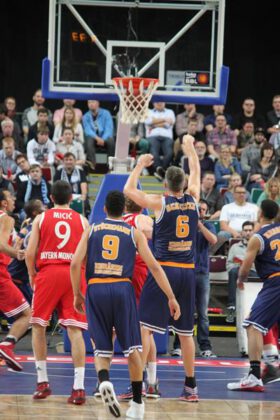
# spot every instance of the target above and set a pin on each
(159, 370)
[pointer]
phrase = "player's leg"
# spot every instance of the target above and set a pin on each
(136, 409)
(271, 371)
(190, 392)
(78, 352)
(39, 345)
(151, 369)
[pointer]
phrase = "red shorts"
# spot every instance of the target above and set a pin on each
(138, 280)
(12, 301)
(53, 290)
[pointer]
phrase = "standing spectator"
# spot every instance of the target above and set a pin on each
(234, 180)
(271, 191)
(225, 167)
(235, 258)
(252, 152)
(8, 156)
(192, 131)
(273, 116)
(159, 131)
(98, 129)
(69, 121)
(41, 123)
(59, 113)
(8, 130)
(210, 120)
(262, 169)
(30, 115)
(68, 144)
(245, 136)
(182, 120)
(210, 194)
(220, 135)
(248, 113)
(206, 163)
(41, 150)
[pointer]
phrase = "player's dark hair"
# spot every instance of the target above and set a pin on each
(175, 179)
(115, 203)
(31, 207)
(2, 194)
(61, 192)
(269, 209)
(131, 206)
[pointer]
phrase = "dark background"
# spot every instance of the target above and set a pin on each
(251, 50)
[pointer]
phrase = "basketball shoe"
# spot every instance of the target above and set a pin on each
(109, 398)
(135, 411)
(189, 394)
(6, 353)
(248, 383)
(77, 397)
(42, 391)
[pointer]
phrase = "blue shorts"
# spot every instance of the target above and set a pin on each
(265, 311)
(108, 306)
(154, 310)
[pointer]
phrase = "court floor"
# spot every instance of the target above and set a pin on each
(212, 376)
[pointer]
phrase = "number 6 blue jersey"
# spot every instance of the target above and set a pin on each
(268, 260)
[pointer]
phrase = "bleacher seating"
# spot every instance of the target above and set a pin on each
(218, 272)
(255, 193)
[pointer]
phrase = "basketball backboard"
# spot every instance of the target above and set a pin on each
(178, 42)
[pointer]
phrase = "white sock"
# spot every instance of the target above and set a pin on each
(41, 367)
(152, 372)
(79, 376)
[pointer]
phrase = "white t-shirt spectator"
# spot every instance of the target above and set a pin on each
(236, 215)
(40, 153)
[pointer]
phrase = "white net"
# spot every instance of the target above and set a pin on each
(135, 95)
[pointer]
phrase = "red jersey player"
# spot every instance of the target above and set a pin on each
(12, 302)
(53, 241)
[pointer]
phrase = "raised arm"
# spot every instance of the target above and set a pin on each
(194, 166)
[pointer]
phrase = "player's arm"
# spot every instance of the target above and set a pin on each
(151, 201)
(252, 251)
(194, 166)
(32, 248)
(157, 272)
(144, 224)
(6, 227)
(75, 271)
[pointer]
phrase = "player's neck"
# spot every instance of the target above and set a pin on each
(265, 222)
(61, 206)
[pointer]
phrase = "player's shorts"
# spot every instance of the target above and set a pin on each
(111, 304)
(138, 280)
(12, 301)
(154, 309)
(265, 311)
(53, 290)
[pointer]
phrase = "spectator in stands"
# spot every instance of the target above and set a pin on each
(210, 120)
(30, 115)
(248, 113)
(8, 130)
(262, 169)
(252, 152)
(182, 120)
(59, 113)
(225, 166)
(8, 156)
(235, 258)
(271, 191)
(4, 116)
(35, 188)
(11, 104)
(234, 180)
(41, 123)
(24, 167)
(206, 163)
(68, 144)
(159, 132)
(41, 150)
(137, 140)
(245, 137)
(220, 135)
(69, 121)
(192, 130)
(273, 116)
(211, 195)
(98, 129)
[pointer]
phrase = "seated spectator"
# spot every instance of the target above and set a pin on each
(41, 150)
(206, 163)
(248, 113)
(41, 123)
(182, 120)
(24, 167)
(69, 121)
(8, 156)
(30, 115)
(220, 135)
(273, 116)
(159, 132)
(262, 169)
(4, 116)
(192, 130)
(245, 137)
(67, 145)
(137, 140)
(59, 113)
(75, 176)
(235, 258)
(271, 191)
(35, 188)
(11, 104)
(210, 120)
(98, 129)
(225, 166)
(234, 180)
(8, 130)
(252, 152)
(211, 195)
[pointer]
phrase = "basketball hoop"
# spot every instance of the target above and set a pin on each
(135, 94)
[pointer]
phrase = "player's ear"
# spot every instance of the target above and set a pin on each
(104, 209)
(51, 196)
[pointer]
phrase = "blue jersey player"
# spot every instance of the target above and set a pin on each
(110, 247)
(264, 250)
(174, 236)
